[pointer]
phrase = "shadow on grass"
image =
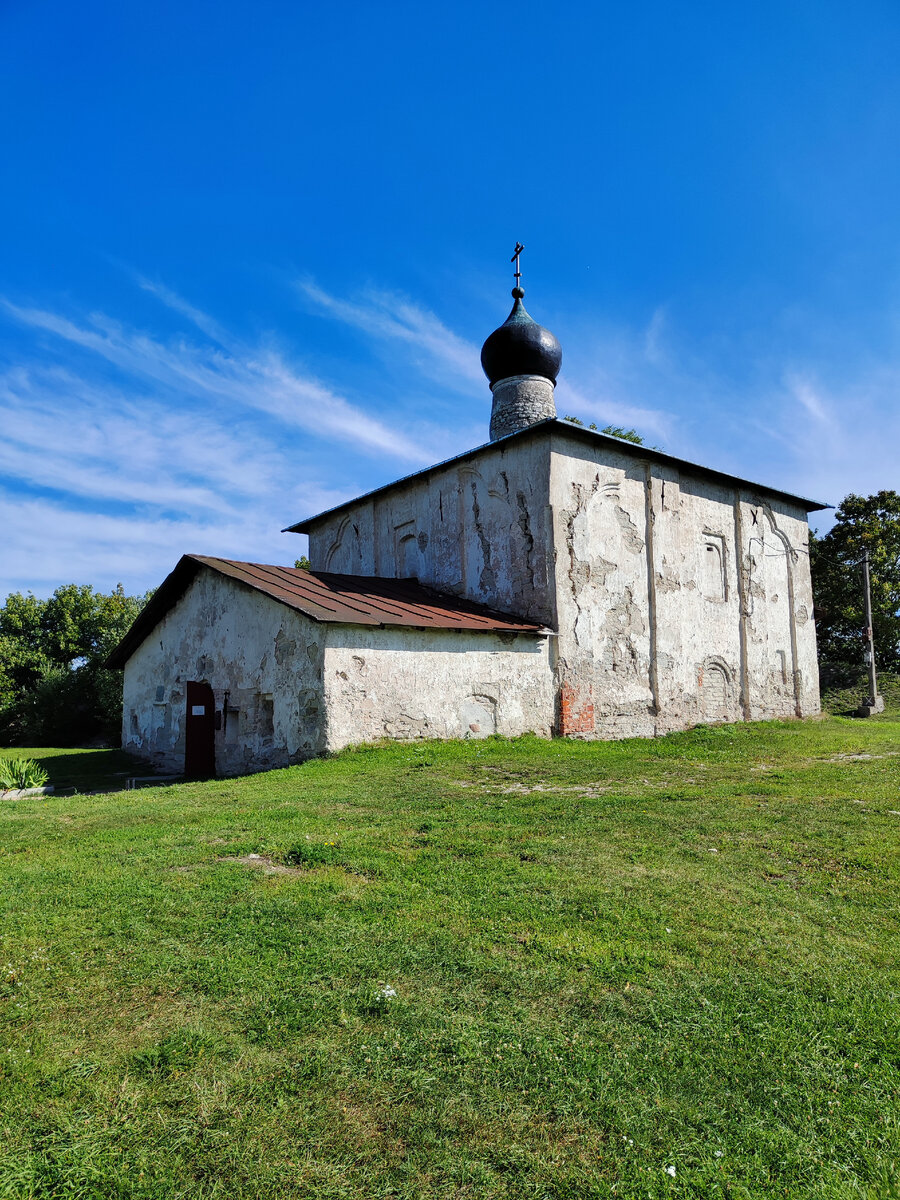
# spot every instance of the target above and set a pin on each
(84, 770)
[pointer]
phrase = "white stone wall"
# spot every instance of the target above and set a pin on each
(479, 529)
(680, 600)
(412, 683)
(604, 642)
(287, 687)
(781, 636)
(265, 656)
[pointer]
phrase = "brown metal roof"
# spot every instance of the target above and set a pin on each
(326, 597)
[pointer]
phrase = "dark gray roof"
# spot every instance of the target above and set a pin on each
(554, 425)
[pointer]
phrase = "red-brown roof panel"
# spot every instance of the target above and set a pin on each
(367, 599)
(329, 598)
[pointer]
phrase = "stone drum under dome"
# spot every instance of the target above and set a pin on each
(521, 360)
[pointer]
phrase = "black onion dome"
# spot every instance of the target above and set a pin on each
(521, 347)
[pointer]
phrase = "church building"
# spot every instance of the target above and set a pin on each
(554, 580)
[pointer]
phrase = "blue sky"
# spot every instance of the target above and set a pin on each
(250, 252)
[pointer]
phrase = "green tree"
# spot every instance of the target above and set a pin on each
(616, 431)
(861, 523)
(53, 685)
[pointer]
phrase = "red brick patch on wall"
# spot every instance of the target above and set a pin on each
(576, 710)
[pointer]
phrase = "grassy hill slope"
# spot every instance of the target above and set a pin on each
(489, 969)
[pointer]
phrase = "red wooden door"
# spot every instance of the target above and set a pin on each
(200, 732)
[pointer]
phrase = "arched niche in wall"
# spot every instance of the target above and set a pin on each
(772, 614)
(714, 566)
(337, 545)
(407, 554)
(716, 691)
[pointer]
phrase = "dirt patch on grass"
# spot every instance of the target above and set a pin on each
(841, 758)
(526, 789)
(261, 862)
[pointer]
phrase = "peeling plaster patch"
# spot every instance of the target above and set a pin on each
(578, 572)
(525, 526)
(488, 580)
(600, 568)
(802, 615)
(285, 648)
(308, 703)
(407, 726)
(667, 583)
(576, 710)
(623, 619)
(633, 539)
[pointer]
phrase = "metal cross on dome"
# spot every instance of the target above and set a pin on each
(515, 259)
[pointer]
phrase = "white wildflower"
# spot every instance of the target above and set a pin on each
(387, 993)
(670, 1171)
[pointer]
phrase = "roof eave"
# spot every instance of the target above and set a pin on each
(555, 424)
(160, 603)
(188, 566)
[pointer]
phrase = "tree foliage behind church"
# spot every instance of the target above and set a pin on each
(862, 523)
(54, 689)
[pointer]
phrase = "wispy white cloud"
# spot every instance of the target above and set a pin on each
(386, 315)
(121, 449)
(806, 394)
(69, 435)
(593, 392)
(605, 410)
(178, 304)
(810, 427)
(255, 379)
(49, 543)
(842, 435)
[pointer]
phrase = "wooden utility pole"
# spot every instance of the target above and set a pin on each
(874, 703)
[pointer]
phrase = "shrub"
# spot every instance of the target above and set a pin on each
(21, 773)
(54, 687)
(843, 692)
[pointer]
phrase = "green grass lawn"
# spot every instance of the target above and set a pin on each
(487, 969)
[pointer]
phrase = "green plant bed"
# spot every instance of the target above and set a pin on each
(19, 772)
(495, 969)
